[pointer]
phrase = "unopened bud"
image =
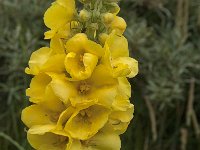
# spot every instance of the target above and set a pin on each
(84, 15)
(119, 24)
(102, 38)
(114, 8)
(108, 18)
(94, 26)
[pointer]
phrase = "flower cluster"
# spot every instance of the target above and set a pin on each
(80, 92)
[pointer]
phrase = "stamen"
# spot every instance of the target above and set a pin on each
(84, 87)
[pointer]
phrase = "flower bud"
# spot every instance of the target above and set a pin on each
(94, 26)
(108, 18)
(118, 24)
(102, 38)
(114, 8)
(92, 30)
(84, 15)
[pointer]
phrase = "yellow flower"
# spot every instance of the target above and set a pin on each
(48, 141)
(58, 17)
(117, 57)
(83, 54)
(100, 86)
(121, 116)
(44, 60)
(60, 141)
(113, 22)
(101, 141)
(40, 92)
(125, 66)
(118, 45)
(122, 109)
(48, 59)
(87, 121)
(43, 133)
(80, 92)
(37, 116)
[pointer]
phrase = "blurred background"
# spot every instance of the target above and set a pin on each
(164, 36)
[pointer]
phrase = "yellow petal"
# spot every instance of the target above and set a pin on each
(76, 43)
(57, 15)
(74, 145)
(119, 120)
(51, 101)
(104, 95)
(124, 87)
(49, 34)
(105, 141)
(116, 126)
(57, 45)
(118, 45)
(90, 62)
(48, 141)
(86, 122)
(81, 69)
(37, 89)
(118, 24)
(106, 60)
(41, 129)
(93, 48)
(80, 44)
(126, 63)
(101, 141)
(38, 58)
(40, 92)
(65, 115)
(103, 86)
(120, 70)
(35, 115)
(102, 77)
(65, 31)
(54, 64)
(120, 103)
(123, 116)
(80, 101)
(75, 70)
(62, 88)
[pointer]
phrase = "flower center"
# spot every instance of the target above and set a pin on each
(81, 60)
(85, 113)
(84, 87)
(54, 117)
(84, 116)
(61, 140)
